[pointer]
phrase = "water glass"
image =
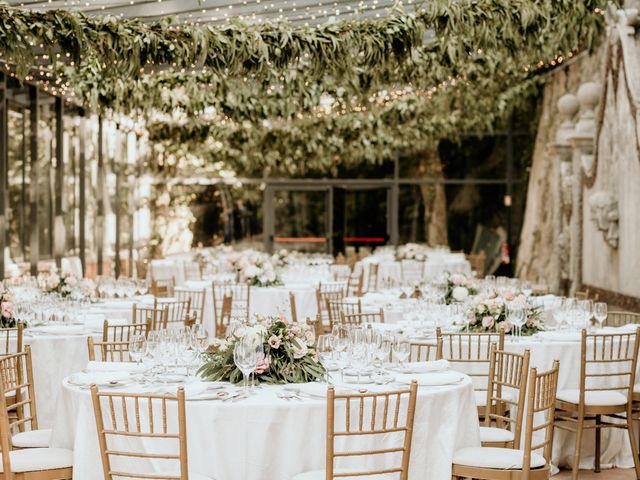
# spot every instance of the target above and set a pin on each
(600, 312)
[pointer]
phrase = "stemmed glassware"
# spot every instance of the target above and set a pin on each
(245, 356)
(137, 347)
(600, 312)
(401, 350)
(585, 310)
(516, 316)
(325, 345)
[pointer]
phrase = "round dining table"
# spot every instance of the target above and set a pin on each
(270, 435)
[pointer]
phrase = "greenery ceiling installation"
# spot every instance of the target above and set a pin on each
(459, 65)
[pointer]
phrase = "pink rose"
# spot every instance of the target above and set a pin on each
(7, 309)
(488, 321)
(506, 326)
(263, 364)
(508, 294)
(283, 319)
(274, 342)
(300, 350)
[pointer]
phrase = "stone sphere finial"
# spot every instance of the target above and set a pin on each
(568, 105)
(589, 94)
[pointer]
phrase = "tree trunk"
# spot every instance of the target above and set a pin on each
(433, 196)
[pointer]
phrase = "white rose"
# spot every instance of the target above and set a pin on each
(252, 271)
(460, 293)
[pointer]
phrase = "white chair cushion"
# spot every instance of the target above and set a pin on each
(32, 439)
(36, 459)
(481, 398)
(494, 434)
(498, 458)
(321, 475)
(597, 399)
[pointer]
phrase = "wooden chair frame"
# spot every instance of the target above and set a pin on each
(335, 308)
(6, 334)
(178, 311)
(362, 318)
(192, 270)
(240, 294)
(602, 349)
(389, 423)
(540, 400)
(130, 425)
(225, 316)
(507, 370)
(114, 346)
(355, 285)
(293, 308)
(424, 351)
(155, 317)
(196, 297)
(372, 277)
(163, 287)
(618, 319)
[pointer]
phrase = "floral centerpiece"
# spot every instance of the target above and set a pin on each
(289, 354)
(282, 257)
(254, 268)
(459, 288)
(67, 285)
(412, 251)
(7, 319)
(489, 312)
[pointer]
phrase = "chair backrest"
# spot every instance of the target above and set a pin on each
(122, 416)
(197, 299)
(114, 346)
(293, 308)
(372, 277)
(508, 374)
(471, 351)
(192, 270)
(618, 319)
(177, 311)
(340, 272)
(360, 318)
(412, 270)
(154, 317)
(224, 319)
(379, 416)
(323, 297)
(316, 323)
(16, 381)
(163, 287)
(541, 400)
(240, 294)
(425, 351)
(335, 308)
(608, 363)
(11, 339)
(355, 285)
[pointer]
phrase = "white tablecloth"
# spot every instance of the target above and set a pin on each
(269, 438)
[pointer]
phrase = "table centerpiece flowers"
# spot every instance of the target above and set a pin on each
(412, 251)
(7, 320)
(289, 354)
(459, 288)
(67, 285)
(489, 312)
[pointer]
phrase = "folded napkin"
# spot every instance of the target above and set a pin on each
(99, 378)
(430, 379)
(123, 367)
(555, 336)
(59, 329)
(116, 303)
(426, 367)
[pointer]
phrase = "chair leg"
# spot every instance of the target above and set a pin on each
(576, 454)
(632, 441)
(598, 438)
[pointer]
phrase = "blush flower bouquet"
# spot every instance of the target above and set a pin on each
(7, 320)
(459, 288)
(489, 312)
(289, 355)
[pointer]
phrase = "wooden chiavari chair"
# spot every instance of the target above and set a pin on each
(491, 463)
(316, 323)
(355, 285)
(155, 317)
(224, 320)
(618, 319)
(114, 346)
(379, 416)
(471, 351)
(129, 417)
(197, 300)
(372, 277)
(334, 291)
(340, 272)
(506, 391)
(21, 415)
(425, 351)
(163, 287)
(360, 318)
(11, 339)
(192, 271)
(335, 308)
(293, 308)
(586, 295)
(240, 294)
(607, 376)
(178, 311)
(412, 271)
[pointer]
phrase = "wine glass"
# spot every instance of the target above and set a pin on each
(401, 350)
(585, 308)
(137, 346)
(245, 357)
(516, 317)
(325, 344)
(527, 288)
(600, 312)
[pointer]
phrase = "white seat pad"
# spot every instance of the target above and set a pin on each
(498, 458)
(321, 475)
(494, 434)
(32, 439)
(597, 399)
(35, 459)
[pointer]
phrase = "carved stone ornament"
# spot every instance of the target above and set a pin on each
(604, 213)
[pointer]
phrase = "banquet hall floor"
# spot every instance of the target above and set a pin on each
(614, 474)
